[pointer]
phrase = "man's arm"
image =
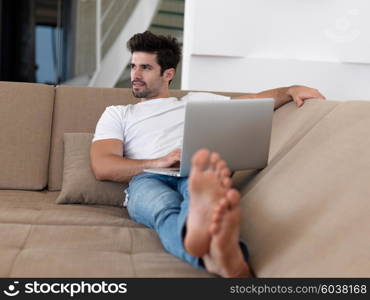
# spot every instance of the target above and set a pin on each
(297, 93)
(107, 162)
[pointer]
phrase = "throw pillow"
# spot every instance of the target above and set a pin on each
(79, 183)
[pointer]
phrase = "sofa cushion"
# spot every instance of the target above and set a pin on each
(307, 215)
(78, 109)
(79, 183)
(42, 239)
(25, 130)
(39, 208)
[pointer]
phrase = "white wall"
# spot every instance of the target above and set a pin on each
(253, 45)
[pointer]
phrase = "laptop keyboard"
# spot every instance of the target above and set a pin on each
(169, 171)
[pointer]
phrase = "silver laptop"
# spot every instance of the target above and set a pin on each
(239, 130)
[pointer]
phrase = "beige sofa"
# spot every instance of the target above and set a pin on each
(305, 215)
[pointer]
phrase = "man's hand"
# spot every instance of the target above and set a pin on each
(299, 94)
(170, 160)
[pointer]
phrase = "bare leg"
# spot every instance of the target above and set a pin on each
(208, 183)
(225, 257)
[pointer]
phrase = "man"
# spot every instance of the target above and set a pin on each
(196, 218)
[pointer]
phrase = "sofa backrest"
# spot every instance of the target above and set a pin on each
(77, 109)
(25, 130)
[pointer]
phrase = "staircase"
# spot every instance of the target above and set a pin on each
(116, 22)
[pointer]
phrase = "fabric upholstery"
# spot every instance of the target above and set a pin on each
(42, 239)
(79, 184)
(25, 129)
(307, 214)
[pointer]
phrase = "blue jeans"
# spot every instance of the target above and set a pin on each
(161, 202)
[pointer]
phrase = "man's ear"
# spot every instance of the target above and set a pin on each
(169, 74)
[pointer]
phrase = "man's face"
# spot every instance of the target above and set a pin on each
(146, 78)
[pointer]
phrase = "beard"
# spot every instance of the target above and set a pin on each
(141, 94)
(145, 91)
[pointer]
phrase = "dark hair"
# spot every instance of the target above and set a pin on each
(167, 48)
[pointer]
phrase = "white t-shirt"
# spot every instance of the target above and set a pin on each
(149, 129)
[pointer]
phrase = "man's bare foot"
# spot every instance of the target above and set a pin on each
(208, 183)
(218, 213)
(225, 257)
